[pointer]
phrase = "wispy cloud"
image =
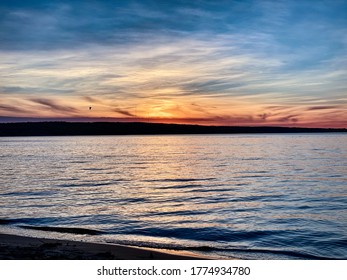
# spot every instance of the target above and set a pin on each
(124, 112)
(53, 105)
(12, 109)
(314, 108)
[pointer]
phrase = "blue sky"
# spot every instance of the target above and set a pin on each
(209, 62)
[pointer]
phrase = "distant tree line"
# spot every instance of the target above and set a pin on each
(138, 128)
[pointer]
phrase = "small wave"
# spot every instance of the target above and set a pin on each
(156, 245)
(91, 184)
(209, 189)
(78, 161)
(204, 234)
(177, 187)
(253, 158)
(93, 169)
(29, 193)
(7, 221)
(227, 251)
(181, 180)
(177, 213)
(259, 197)
(39, 221)
(299, 255)
(132, 200)
(252, 176)
(196, 188)
(66, 230)
(304, 207)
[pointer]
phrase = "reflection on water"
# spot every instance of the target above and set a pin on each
(253, 196)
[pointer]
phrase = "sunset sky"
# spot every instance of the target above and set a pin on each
(280, 63)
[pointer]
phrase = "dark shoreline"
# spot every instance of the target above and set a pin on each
(139, 128)
(14, 247)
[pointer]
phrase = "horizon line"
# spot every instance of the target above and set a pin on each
(14, 120)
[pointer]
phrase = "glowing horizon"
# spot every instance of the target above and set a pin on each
(254, 63)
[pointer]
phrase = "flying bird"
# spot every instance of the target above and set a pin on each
(90, 108)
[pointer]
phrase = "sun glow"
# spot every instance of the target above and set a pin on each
(162, 109)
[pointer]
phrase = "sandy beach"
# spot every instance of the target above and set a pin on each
(13, 247)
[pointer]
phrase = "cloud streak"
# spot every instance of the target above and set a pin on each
(314, 108)
(12, 109)
(52, 105)
(124, 112)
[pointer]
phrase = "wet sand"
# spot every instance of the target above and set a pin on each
(13, 247)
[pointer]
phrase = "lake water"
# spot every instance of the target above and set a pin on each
(247, 196)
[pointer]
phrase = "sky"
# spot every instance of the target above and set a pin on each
(244, 63)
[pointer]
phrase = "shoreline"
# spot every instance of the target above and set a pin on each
(15, 247)
(61, 128)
